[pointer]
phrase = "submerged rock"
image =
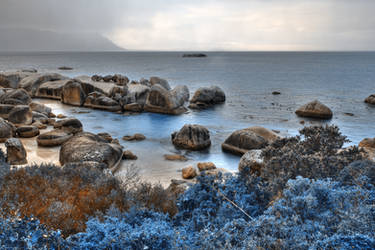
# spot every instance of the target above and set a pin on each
(240, 141)
(192, 137)
(315, 109)
(16, 153)
(53, 138)
(194, 55)
(175, 157)
(90, 147)
(207, 96)
(135, 137)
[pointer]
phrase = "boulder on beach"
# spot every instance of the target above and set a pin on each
(32, 82)
(72, 93)
(367, 143)
(135, 137)
(163, 101)
(69, 125)
(98, 100)
(240, 141)
(12, 79)
(7, 130)
(53, 138)
(192, 137)
(205, 166)
(39, 125)
(251, 162)
(5, 110)
(135, 98)
(51, 89)
(16, 152)
(21, 114)
(207, 96)
(162, 82)
(189, 172)
(39, 117)
(15, 97)
(27, 131)
(370, 99)
(40, 108)
(88, 85)
(315, 109)
(90, 147)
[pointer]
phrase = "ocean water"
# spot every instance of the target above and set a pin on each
(341, 80)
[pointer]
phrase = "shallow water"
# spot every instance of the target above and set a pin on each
(340, 80)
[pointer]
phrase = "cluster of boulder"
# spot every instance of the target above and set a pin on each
(112, 92)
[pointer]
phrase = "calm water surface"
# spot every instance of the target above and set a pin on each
(340, 80)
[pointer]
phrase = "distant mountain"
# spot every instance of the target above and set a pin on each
(40, 40)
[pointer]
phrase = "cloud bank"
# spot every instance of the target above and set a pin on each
(205, 24)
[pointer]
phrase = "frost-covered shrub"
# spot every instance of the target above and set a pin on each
(314, 213)
(28, 233)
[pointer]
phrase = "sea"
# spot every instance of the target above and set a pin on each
(341, 80)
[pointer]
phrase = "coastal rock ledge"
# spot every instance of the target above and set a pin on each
(315, 109)
(192, 137)
(241, 141)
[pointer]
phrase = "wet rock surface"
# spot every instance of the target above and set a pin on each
(192, 137)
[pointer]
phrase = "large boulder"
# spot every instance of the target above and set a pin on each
(367, 143)
(16, 153)
(53, 138)
(163, 101)
(88, 85)
(135, 98)
(240, 141)
(32, 82)
(370, 99)
(15, 97)
(315, 109)
(21, 114)
(12, 79)
(27, 131)
(162, 82)
(69, 125)
(192, 137)
(90, 147)
(72, 93)
(40, 108)
(98, 100)
(39, 117)
(7, 130)
(207, 96)
(51, 89)
(251, 162)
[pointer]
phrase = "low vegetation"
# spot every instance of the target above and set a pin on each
(310, 194)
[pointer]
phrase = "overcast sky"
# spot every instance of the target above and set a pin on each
(205, 24)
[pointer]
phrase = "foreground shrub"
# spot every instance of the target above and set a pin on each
(65, 197)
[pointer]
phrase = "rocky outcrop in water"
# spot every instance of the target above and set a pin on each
(192, 137)
(90, 147)
(207, 96)
(69, 125)
(72, 93)
(16, 153)
(32, 82)
(315, 109)
(98, 100)
(51, 89)
(240, 141)
(370, 100)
